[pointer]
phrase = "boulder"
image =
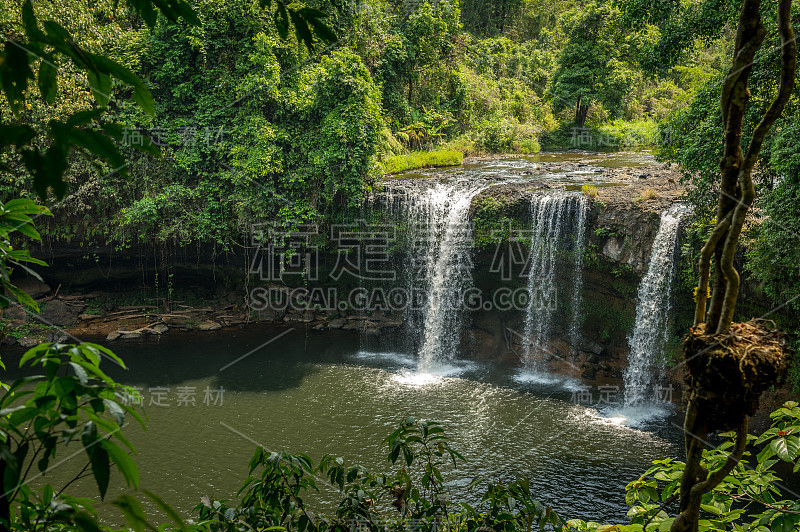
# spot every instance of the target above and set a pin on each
(58, 313)
(613, 248)
(159, 328)
(590, 346)
(209, 325)
(27, 341)
(130, 335)
(337, 323)
(270, 314)
(57, 337)
(113, 335)
(174, 321)
(16, 315)
(33, 287)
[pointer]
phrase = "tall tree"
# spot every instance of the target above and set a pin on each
(592, 66)
(728, 364)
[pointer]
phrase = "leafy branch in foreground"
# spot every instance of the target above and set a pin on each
(749, 498)
(41, 415)
(15, 216)
(730, 365)
(414, 497)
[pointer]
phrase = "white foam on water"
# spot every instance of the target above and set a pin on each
(406, 370)
(547, 379)
(430, 374)
(398, 359)
(416, 379)
(634, 416)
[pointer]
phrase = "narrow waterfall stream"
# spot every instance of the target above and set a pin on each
(448, 269)
(652, 311)
(441, 265)
(576, 300)
(557, 226)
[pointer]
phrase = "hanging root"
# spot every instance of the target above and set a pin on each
(727, 373)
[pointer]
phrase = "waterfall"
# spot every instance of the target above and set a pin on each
(555, 218)
(577, 270)
(440, 238)
(650, 331)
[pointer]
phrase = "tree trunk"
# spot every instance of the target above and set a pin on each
(580, 113)
(736, 196)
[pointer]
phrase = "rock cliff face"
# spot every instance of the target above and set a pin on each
(621, 225)
(624, 214)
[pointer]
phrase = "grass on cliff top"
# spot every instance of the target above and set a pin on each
(421, 159)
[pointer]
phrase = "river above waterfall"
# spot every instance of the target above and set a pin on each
(562, 167)
(319, 393)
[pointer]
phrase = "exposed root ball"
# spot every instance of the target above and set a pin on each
(727, 373)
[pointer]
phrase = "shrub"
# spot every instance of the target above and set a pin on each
(590, 191)
(625, 134)
(506, 135)
(749, 498)
(647, 195)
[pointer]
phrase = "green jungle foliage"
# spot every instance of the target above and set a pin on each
(225, 119)
(252, 127)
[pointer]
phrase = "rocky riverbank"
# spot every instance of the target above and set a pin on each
(95, 314)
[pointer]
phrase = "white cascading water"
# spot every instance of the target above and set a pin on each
(442, 239)
(650, 331)
(577, 269)
(555, 216)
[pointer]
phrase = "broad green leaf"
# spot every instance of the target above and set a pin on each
(133, 512)
(124, 463)
(301, 30)
(15, 71)
(29, 21)
(86, 522)
(14, 135)
(166, 508)
(100, 467)
(786, 447)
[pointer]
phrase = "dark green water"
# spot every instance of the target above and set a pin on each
(320, 393)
